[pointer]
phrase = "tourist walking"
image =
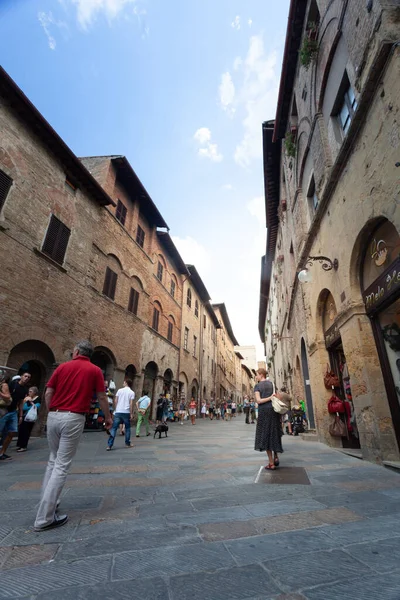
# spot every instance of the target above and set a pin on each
(203, 410)
(246, 409)
(68, 396)
(253, 411)
(123, 413)
(159, 410)
(182, 411)
(143, 406)
(269, 430)
(26, 426)
(233, 409)
(223, 409)
(192, 411)
(9, 422)
(211, 411)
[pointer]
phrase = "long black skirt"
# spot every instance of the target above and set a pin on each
(269, 430)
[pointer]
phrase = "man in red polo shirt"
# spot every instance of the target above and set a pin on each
(68, 396)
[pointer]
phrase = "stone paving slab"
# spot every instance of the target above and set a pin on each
(381, 556)
(293, 574)
(368, 588)
(171, 561)
(234, 584)
(42, 578)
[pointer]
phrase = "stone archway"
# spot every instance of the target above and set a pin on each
(131, 372)
(149, 381)
(168, 376)
(36, 358)
(103, 358)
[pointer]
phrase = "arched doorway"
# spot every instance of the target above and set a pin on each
(130, 373)
(104, 359)
(168, 376)
(307, 386)
(150, 376)
(36, 358)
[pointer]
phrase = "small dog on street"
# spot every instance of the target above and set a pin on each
(162, 428)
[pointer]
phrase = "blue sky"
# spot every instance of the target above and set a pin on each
(181, 88)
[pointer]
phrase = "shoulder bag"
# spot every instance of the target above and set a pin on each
(331, 379)
(338, 428)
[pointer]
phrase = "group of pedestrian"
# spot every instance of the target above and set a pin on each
(19, 407)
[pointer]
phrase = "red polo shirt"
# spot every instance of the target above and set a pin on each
(74, 384)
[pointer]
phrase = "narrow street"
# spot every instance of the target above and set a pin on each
(182, 518)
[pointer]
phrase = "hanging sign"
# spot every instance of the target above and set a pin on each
(383, 287)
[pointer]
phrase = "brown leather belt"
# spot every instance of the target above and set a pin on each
(75, 412)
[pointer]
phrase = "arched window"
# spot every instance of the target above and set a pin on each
(173, 286)
(196, 309)
(156, 316)
(189, 298)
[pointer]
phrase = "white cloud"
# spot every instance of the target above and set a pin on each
(47, 20)
(202, 135)
(227, 93)
(228, 187)
(250, 22)
(258, 94)
(236, 23)
(207, 148)
(89, 10)
(193, 253)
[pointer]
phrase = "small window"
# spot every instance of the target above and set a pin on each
(170, 331)
(140, 236)
(194, 345)
(186, 339)
(196, 309)
(160, 270)
(173, 287)
(312, 197)
(110, 283)
(156, 318)
(71, 183)
(5, 184)
(56, 240)
(120, 213)
(133, 301)
(205, 322)
(346, 105)
(189, 298)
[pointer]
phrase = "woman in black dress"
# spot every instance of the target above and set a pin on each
(269, 430)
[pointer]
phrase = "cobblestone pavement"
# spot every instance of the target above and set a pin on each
(183, 518)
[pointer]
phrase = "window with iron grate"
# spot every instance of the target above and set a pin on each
(110, 283)
(196, 309)
(5, 184)
(160, 270)
(56, 240)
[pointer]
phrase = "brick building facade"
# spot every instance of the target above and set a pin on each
(226, 383)
(331, 185)
(85, 253)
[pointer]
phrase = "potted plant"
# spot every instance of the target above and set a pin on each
(290, 145)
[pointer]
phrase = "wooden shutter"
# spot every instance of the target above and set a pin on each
(110, 283)
(56, 240)
(133, 301)
(5, 184)
(170, 331)
(140, 236)
(173, 288)
(160, 270)
(156, 316)
(121, 212)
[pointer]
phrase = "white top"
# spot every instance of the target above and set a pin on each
(144, 402)
(124, 398)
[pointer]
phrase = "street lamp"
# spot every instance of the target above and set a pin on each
(326, 263)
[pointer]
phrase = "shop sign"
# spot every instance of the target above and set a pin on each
(383, 287)
(332, 335)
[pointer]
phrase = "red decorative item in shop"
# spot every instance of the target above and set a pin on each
(335, 405)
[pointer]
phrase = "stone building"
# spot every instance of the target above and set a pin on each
(83, 256)
(249, 354)
(226, 366)
(331, 167)
(198, 347)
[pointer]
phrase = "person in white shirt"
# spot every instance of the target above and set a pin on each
(143, 406)
(123, 413)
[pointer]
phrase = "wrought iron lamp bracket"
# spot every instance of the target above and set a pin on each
(326, 263)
